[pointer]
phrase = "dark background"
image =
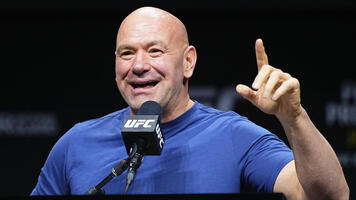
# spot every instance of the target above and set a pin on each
(57, 68)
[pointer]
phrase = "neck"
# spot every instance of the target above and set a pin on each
(177, 110)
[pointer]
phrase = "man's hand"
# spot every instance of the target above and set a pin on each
(308, 177)
(274, 92)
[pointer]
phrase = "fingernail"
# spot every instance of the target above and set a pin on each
(255, 86)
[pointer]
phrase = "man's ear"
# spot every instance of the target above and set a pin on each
(190, 58)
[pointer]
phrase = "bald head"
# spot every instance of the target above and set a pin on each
(154, 61)
(157, 18)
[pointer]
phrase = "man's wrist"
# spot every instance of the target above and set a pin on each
(294, 122)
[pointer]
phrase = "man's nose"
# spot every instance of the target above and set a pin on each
(141, 64)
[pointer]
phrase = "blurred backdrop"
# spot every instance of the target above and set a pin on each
(57, 68)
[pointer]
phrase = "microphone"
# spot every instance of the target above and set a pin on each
(142, 136)
(116, 171)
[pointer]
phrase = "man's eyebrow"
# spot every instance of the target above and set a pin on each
(149, 44)
(152, 43)
(124, 46)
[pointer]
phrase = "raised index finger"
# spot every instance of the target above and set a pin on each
(261, 55)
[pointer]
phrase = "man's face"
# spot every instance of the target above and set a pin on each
(149, 62)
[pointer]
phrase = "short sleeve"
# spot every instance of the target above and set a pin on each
(264, 161)
(263, 155)
(52, 179)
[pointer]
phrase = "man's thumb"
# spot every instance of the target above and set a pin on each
(246, 92)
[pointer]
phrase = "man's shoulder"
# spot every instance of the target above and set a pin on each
(108, 118)
(231, 120)
(106, 124)
(216, 113)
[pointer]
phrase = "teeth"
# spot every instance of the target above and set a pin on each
(135, 85)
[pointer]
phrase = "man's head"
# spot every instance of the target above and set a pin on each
(154, 61)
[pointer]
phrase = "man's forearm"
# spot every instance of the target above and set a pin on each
(317, 166)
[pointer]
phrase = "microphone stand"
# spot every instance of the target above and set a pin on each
(135, 161)
(116, 171)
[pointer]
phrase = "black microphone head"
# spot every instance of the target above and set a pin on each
(144, 126)
(150, 108)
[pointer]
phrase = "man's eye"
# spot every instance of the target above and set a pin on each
(155, 52)
(126, 54)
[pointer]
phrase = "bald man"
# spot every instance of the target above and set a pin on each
(206, 150)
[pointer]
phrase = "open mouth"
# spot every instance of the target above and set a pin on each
(144, 85)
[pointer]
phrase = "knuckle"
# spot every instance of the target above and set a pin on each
(287, 75)
(276, 72)
(295, 81)
(267, 67)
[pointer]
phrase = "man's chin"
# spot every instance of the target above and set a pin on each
(136, 104)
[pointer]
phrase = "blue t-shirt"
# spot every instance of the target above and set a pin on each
(205, 151)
